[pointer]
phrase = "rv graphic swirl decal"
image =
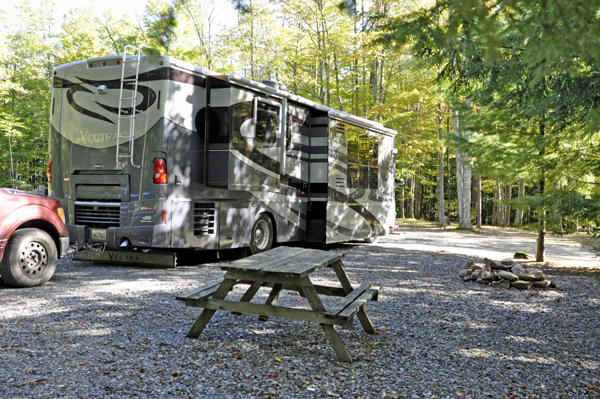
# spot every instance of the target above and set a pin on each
(73, 88)
(148, 96)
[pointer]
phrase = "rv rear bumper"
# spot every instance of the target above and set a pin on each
(156, 236)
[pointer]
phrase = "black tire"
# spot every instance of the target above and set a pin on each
(372, 240)
(29, 258)
(261, 237)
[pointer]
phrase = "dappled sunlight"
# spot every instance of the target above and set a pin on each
(496, 355)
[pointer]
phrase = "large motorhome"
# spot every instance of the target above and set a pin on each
(154, 153)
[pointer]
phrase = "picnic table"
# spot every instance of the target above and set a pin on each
(286, 268)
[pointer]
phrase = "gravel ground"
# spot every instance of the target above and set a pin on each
(118, 332)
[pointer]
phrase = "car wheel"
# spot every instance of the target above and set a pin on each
(262, 235)
(372, 240)
(29, 258)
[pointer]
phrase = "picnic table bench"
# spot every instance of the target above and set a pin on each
(286, 268)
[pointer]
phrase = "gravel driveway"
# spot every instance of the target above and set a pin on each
(117, 332)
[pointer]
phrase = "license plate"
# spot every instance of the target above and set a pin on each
(99, 235)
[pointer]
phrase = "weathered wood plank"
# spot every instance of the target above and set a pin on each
(340, 272)
(271, 300)
(265, 259)
(198, 291)
(317, 262)
(330, 332)
(249, 294)
(347, 301)
(272, 311)
(360, 302)
(207, 314)
(267, 278)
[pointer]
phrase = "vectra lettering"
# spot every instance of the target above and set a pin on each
(87, 137)
(123, 257)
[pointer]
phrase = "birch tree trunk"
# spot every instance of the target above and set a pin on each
(440, 172)
(478, 201)
(540, 247)
(520, 195)
(463, 180)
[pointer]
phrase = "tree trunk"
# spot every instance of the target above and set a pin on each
(507, 208)
(540, 248)
(440, 172)
(449, 172)
(402, 204)
(521, 194)
(463, 181)
(478, 202)
(410, 206)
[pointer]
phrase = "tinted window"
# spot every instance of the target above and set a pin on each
(266, 125)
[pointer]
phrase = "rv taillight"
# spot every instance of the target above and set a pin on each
(160, 171)
(49, 171)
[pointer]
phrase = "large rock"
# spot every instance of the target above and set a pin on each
(476, 274)
(501, 284)
(526, 275)
(517, 268)
(504, 275)
(483, 281)
(477, 266)
(542, 284)
(486, 273)
(495, 275)
(490, 263)
(464, 273)
(537, 273)
(507, 262)
(520, 284)
(468, 265)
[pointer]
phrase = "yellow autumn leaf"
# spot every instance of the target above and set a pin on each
(278, 359)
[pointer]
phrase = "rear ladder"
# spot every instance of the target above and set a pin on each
(126, 118)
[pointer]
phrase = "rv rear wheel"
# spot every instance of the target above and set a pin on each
(29, 259)
(262, 235)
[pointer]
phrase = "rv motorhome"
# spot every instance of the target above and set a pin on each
(154, 153)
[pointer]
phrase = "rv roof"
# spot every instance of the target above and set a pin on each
(241, 81)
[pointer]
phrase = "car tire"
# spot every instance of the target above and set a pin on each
(261, 237)
(29, 258)
(372, 240)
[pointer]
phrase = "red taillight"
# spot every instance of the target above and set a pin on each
(160, 171)
(49, 171)
(164, 216)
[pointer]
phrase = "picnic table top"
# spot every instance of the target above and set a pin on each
(285, 261)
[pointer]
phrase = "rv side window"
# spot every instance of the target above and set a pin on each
(267, 125)
(218, 125)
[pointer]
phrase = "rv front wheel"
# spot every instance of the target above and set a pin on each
(29, 259)
(262, 235)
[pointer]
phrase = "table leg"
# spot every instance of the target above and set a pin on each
(272, 299)
(364, 319)
(249, 294)
(330, 332)
(207, 314)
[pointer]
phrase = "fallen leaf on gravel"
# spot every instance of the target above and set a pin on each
(176, 373)
(591, 387)
(335, 395)
(278, 359)
(272, 375)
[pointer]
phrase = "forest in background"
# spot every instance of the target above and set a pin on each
(496, 104)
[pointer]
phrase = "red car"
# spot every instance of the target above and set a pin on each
(33, 235)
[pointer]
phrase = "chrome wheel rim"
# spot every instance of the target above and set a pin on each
(261, 235)
(33, 259)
